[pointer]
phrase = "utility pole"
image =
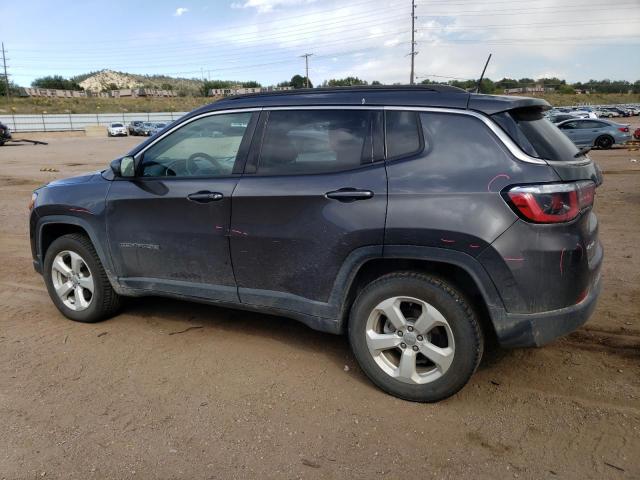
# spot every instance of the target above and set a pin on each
(413, 41)
(6, 77)
(306, 64)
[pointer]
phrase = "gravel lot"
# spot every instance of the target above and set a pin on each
(252, 396)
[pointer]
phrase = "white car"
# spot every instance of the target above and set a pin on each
(583, 114)
(116, 129)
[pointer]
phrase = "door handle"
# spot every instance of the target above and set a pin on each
(205, 197)
(349, 194)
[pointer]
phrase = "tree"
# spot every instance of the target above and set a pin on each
(251, 84)
(376, 82)
(56, 82)
(298, 81)
(13, 88)
(214, 84)
(345, 82)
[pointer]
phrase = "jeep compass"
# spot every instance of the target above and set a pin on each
(419, 221)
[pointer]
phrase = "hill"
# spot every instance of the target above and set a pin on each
(107, 79)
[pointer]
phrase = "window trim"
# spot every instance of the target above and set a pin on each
(416, 152)
(253, 164)
(243, 149)
(513, 148)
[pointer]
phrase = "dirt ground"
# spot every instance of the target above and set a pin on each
(252, 396)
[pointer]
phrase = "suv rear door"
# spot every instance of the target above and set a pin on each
(313, 193)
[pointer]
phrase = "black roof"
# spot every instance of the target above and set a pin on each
(444, 96)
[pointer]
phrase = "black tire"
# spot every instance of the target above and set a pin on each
(466, 331)
(605, 142)
(104, 302)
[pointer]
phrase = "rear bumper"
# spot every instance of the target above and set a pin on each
(537, 329)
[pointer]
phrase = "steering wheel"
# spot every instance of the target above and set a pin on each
(194, 164)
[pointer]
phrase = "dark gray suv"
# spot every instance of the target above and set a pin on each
(419, 221)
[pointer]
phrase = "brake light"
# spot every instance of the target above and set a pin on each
(552, 203)
(624, 129)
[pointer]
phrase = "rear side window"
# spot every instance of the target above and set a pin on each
(536, 135)
(402, 133)
(315, 141)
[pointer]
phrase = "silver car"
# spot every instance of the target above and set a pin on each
(595, 133)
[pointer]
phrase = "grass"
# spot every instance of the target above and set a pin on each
(186, 104)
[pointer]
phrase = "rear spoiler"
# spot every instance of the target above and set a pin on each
(490, 104)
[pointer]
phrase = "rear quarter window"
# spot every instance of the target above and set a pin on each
(536, 135)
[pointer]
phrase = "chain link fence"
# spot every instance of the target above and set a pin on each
(79, 121)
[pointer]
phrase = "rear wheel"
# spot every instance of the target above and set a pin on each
(415, 336)
(76, 280)
(604, 142)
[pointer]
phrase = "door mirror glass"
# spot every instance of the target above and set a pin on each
(127, 167)
(123, 167)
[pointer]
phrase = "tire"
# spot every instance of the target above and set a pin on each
(79, 303)
(454, 330)
(605, 142)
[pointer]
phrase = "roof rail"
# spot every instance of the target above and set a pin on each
(354, 89)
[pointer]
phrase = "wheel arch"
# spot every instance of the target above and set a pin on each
(49, 228)
(460, 269)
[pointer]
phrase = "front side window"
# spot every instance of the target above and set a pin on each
(205, 147)
(315, 141)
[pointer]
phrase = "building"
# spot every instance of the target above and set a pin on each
(51, 92)
(238, 90)
(121, 93)
(536, 90)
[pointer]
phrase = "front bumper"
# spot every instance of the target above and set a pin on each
(538, 329)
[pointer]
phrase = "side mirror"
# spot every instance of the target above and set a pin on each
(124, 167)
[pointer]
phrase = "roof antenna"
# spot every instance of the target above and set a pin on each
(482, 76)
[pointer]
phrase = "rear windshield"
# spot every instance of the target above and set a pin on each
(536, 135)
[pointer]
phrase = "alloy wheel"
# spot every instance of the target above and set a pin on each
(72, 280)
(410, 340)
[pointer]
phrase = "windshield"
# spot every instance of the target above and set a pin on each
(116, 125)
(536, 135)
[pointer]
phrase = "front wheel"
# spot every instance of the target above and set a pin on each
(77, 282)
(415, 336)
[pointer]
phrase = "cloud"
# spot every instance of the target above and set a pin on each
(264, 6)
(180, 11)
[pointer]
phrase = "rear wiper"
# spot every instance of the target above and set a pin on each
(582, 151)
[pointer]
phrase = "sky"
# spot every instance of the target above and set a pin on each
(263, 40)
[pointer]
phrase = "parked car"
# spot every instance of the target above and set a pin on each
(636, 134)
(134, 127)
(613, 113)
(357, 211)
(157, 128)
(5, 134)
(562, 117)
(584, 114)
(595, 133)
(146, 128)
(116, 129)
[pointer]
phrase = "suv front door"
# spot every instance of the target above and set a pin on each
(311, 198)
(168, 226)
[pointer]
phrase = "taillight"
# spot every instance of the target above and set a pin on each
(552, 203)
(623, 129)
